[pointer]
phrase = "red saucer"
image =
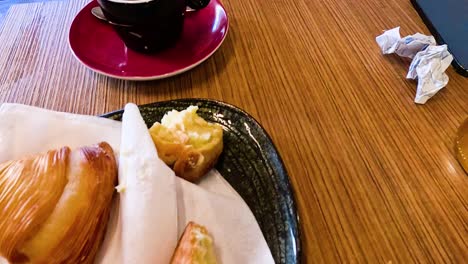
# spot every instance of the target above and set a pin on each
(95, 44)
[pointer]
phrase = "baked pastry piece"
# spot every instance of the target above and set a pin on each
(188, 143)
(55, 206)
(194, 247)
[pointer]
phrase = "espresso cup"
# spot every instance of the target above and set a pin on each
(148, 25)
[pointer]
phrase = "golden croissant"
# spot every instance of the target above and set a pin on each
(194, 247)
(55, 206)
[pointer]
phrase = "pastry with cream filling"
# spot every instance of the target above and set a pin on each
(187, 143)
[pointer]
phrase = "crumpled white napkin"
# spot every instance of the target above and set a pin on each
(429, 66)
(212, 203)
(391, 42)
(429, 61)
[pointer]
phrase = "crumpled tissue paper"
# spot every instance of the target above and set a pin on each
(429, 60)
(391, 42)
(429, 66)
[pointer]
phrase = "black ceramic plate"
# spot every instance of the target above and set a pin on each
(252, 165)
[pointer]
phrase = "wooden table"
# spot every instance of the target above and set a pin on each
(375, 175)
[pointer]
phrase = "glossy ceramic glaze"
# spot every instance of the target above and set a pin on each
(146, 27)
(252, 165)
(96, 44)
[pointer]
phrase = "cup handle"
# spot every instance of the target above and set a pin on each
(197, 4)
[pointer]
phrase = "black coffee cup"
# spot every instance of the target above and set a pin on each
(148, 25)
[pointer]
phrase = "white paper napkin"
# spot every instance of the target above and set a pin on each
(134, 235)
(391, 42)
(148, 200)
(429, 67)
(429, 60)
(29, 130)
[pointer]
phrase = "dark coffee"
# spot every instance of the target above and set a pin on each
(148, 26)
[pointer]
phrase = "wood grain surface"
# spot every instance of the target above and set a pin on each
(375, 175)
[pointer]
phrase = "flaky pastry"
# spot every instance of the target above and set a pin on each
(55, 206)
(194, 247)
(188, 143)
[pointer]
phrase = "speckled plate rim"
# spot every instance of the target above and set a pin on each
(281, 168)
